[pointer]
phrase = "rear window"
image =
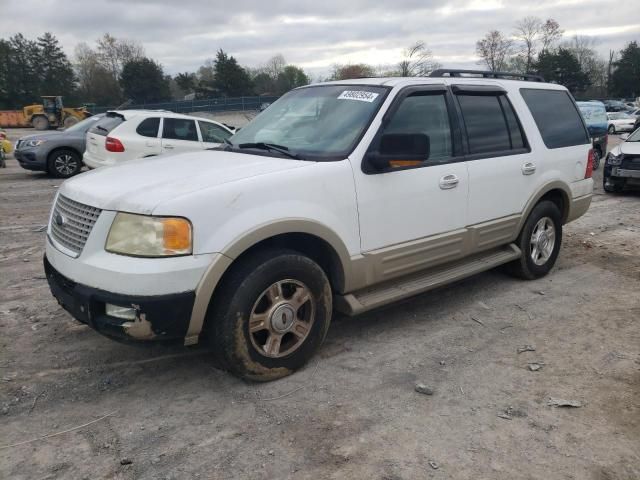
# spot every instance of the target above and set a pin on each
(556, 116)
(593, 113)
(106, 124)
(149, 127)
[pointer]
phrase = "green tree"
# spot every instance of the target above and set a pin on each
(186, 81)
(143, 81)
(56, 73)
(5, 73)
(357, 70)
(625, 79)
(231, 80)
(263, 84)
(24, 84)
(562, 67)
(289, 78)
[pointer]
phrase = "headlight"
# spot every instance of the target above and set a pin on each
(33, 143)
(145, 236)
(615, 159)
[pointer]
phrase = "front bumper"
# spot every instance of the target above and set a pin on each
(158, 317)
(31, 159)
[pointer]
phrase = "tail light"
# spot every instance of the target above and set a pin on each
(114, 145)
(589, 170)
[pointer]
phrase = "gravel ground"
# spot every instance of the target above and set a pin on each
(353, 411)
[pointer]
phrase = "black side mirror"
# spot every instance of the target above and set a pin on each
(399, 150)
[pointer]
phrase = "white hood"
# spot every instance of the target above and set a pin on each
(628, 148)
(139, 185)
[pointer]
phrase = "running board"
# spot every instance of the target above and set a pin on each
(414, 284)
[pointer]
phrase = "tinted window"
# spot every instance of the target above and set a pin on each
(515, 131)
(180, 129)
(556, 116)
(106, 124)
(213, 133)
(487, 129)
(149, 127)
(427, 114)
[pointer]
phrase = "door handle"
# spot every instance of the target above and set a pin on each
(168, 147)
(528, 168)
(150, 144)
(449, 181)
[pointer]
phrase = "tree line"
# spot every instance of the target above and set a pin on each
(537, 46)
(116, 70)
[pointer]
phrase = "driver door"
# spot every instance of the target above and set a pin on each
(413, 214)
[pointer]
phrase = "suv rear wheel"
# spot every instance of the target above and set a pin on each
(272, 314)
(539, 242)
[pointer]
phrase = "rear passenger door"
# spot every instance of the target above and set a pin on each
(212, 135)
(179, 135)
(503, 172)
(149, 129)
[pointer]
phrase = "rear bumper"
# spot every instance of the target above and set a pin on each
(158, 317)
(92, 161)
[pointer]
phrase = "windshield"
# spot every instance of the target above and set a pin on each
(320, 122)
(84, 125)
(635, 136)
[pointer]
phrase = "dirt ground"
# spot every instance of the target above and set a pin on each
(352, 412)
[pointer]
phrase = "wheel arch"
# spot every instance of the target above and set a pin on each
(318, 242)
(557, 192)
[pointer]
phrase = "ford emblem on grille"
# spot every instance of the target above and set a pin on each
(60, 219)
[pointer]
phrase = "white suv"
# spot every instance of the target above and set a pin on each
(129, 134)
(340, 196)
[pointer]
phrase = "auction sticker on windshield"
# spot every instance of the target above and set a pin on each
(359, 95)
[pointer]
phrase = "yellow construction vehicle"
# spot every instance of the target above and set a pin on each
(51, 113)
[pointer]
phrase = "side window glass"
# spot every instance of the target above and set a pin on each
(179, 129)
(425, 114)
(212, 133)
(515, 132)
(486, 124)
(149, 127)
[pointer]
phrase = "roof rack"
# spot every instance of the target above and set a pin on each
(447, 72)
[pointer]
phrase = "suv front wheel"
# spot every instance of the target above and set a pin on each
(271, 314)
(539, 241)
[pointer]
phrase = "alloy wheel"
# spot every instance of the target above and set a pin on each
(281, 318)
(543, 239)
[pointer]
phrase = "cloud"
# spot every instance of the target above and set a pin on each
(315, 35)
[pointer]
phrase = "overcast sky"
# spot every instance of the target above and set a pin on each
(314, 34)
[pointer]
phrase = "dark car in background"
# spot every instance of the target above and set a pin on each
(622, 168)
(595, 116)
(59, 153)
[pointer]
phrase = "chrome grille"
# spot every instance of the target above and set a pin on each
(71, 223)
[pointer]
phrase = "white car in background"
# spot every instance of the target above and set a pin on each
(619, 122)
(129, 134)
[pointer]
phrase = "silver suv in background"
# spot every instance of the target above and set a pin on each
(59, 153)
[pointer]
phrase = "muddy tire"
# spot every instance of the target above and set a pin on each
(40, 123)
(539, 241)
(270, 315)
(64, 163)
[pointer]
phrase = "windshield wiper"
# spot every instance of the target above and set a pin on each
(273, 147)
